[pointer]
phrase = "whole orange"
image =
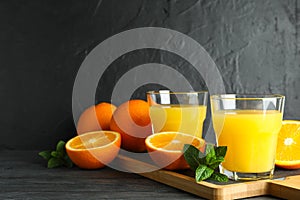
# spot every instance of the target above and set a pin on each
(131, 119)
(95, 118)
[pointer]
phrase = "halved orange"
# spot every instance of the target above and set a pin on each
(166, 148)
(94, 150)
(288, 145)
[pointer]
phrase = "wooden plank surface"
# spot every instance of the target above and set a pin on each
(23, 175)
(288, 188)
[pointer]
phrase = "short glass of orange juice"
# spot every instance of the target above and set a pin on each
(248, 125)
(177, 111)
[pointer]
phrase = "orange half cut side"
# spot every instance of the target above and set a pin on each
(166, 148)
(94, 150)
(288, 145)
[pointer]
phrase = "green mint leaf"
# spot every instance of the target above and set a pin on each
(210, 154)
(55, 162)
(60, 147)
(203, 172)
(210, 149)
(221, 151)
(55, 154)
(202, 160)
(199, 171)
(58, 154)
(191, 156)
(67, 161)
(68, 164)
(58, 157)
(219, 177)
(205, 164)
(45, 154)
(216, 162)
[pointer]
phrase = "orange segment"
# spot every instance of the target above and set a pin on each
(288, 145)
(94, 150)
(165, 148)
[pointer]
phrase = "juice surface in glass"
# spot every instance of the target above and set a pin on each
(250, 137)
(180, 118)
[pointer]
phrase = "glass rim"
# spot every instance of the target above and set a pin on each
(169, 92)
(246, 96)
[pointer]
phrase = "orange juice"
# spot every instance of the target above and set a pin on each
(250, 137)
(181, 118)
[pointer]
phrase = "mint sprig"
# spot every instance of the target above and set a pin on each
(205, 164)
(58, 157)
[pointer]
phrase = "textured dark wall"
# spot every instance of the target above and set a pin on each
(43, 43)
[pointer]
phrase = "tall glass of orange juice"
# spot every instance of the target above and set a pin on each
(248, 125)
(177, 111)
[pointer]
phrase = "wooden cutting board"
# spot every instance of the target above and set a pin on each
(285, 185)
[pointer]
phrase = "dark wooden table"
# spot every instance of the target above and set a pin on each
(23, 175)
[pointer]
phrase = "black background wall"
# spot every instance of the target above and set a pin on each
(255, 45)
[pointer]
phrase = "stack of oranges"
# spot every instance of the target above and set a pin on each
(104, 128)
(131, 119)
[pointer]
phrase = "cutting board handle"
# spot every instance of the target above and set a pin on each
(287, 188)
